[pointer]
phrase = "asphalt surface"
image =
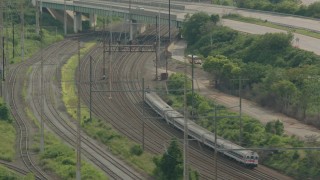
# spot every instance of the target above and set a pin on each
(301, 41)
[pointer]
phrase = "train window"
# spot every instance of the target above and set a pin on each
(256, 157)
(252, 157)
(247, 157)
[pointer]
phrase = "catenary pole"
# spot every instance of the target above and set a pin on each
(215, 140)
(110, 60)
(78, 171)
(104, 39)
(169, 21)
(185, 139)
(65, 18)
(22, 29)
(143, 106)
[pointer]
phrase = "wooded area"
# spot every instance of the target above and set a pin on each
(277, 75)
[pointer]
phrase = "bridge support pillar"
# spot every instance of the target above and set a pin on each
(141, 28)
(93, 20)
(130, 31)
(77, 22)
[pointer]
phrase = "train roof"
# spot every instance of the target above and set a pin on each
(192, 126)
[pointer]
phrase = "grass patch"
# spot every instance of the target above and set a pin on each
(7, 174)
(260, 22)
(32, 43)
(61, 159)
(7, 134)
(119, 145)
(58, 157)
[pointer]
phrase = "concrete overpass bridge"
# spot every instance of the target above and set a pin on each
(146, 12)
(134, 13)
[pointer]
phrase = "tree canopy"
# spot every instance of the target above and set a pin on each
(170, 165)
(197, 25)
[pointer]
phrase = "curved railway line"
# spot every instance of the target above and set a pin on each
(17, 105)
(14, 168)
(52, 116)
(58, 122)
(124, 112)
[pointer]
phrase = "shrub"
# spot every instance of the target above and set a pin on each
(136, 150)
(4, 112)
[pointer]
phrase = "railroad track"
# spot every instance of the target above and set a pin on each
(58, 122)
(16, 104)
(14, 168)
(127, 106)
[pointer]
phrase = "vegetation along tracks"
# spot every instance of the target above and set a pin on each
(61, 123)
(15, 83)
(123, 110)
(14, 168)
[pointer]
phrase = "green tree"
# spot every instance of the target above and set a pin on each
(221, 67)
(215, 18)
(286, 93)
(4, 113)
(314, 10)
(170, 165)
(254, 72)
(176, 83)
(193, 27)
(275, 127)
(278, 125)
(267, 48)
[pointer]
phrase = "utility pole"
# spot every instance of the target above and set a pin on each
(3, 58)
(7, 39)
(2, 40)
(90, 103)
(104, 39)
(185, 139)
(240, 111)
(110, 60)
(156, 48)
(240, 108)
(42, 88)
(192, 77)
(159, 37)
(22, 29)
(42, 101)
(37, 17)
(130, 22)
(143, 123)
(78, 171)
(215, 140)
(2, 26)
(1, 18)
(12, 39)
(169, 21)
(65, 18)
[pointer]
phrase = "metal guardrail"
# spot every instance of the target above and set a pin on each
(151, 3)
(295, 27)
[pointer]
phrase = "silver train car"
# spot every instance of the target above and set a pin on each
(246, 157)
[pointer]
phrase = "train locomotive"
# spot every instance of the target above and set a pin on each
(246, 157)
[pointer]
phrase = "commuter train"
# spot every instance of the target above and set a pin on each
(173, 117)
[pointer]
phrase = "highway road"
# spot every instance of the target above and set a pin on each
(287, 20)
(301, 41)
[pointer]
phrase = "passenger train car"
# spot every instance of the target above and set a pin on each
(173, 117)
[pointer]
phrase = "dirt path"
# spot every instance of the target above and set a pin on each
(202, 85)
